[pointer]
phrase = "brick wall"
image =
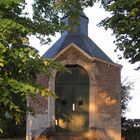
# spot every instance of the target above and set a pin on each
(105, 111)
(108, 111)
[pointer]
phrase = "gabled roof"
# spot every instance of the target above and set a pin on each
(82, 41)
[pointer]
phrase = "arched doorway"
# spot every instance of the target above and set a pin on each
(72, 104)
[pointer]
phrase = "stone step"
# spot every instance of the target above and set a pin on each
(94, 134)
(70, 137)
(83, 136)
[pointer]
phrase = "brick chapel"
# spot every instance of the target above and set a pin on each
(88, 104)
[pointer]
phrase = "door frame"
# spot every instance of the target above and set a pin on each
(91, 70)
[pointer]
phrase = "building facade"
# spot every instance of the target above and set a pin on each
(88, 103)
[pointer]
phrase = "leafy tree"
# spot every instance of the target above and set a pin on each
(124, 21)
(126, 88)
(125, 24)
(20, 63)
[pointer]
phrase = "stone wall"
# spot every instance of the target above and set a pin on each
(108, 110)
(105, 110)
(104, 106)
(35, 124)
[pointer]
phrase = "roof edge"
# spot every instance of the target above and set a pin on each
(94, 59)
(76, 47)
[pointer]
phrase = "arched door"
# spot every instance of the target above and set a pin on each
(72, 104)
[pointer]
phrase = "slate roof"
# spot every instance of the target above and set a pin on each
(82, 41)
(81, 14)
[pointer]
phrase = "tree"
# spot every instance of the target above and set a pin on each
(124, 21)
(20, 63)
(126, 88)
(125, 24)
(126, 124)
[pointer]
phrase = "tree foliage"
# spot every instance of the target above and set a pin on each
(126, 124)
(125, 24)
(20, 63)
(126, 88)
(48, 13)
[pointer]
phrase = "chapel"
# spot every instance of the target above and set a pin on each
(88, 105)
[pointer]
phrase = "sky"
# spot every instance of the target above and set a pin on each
(104, 39)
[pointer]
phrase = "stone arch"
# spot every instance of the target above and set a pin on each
(90, 68)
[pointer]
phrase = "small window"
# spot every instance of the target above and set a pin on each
(80, 102)
(63, 102)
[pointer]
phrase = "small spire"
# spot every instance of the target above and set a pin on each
(75, 25)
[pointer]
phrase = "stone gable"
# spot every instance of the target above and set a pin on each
(104, 108)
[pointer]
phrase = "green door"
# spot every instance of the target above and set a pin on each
(72, 104)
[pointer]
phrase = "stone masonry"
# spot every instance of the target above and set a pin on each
(104, 108)
(74, 47)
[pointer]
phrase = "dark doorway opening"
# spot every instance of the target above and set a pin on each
(72, 104)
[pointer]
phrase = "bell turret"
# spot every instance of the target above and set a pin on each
(78, 25)
(77, 33)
